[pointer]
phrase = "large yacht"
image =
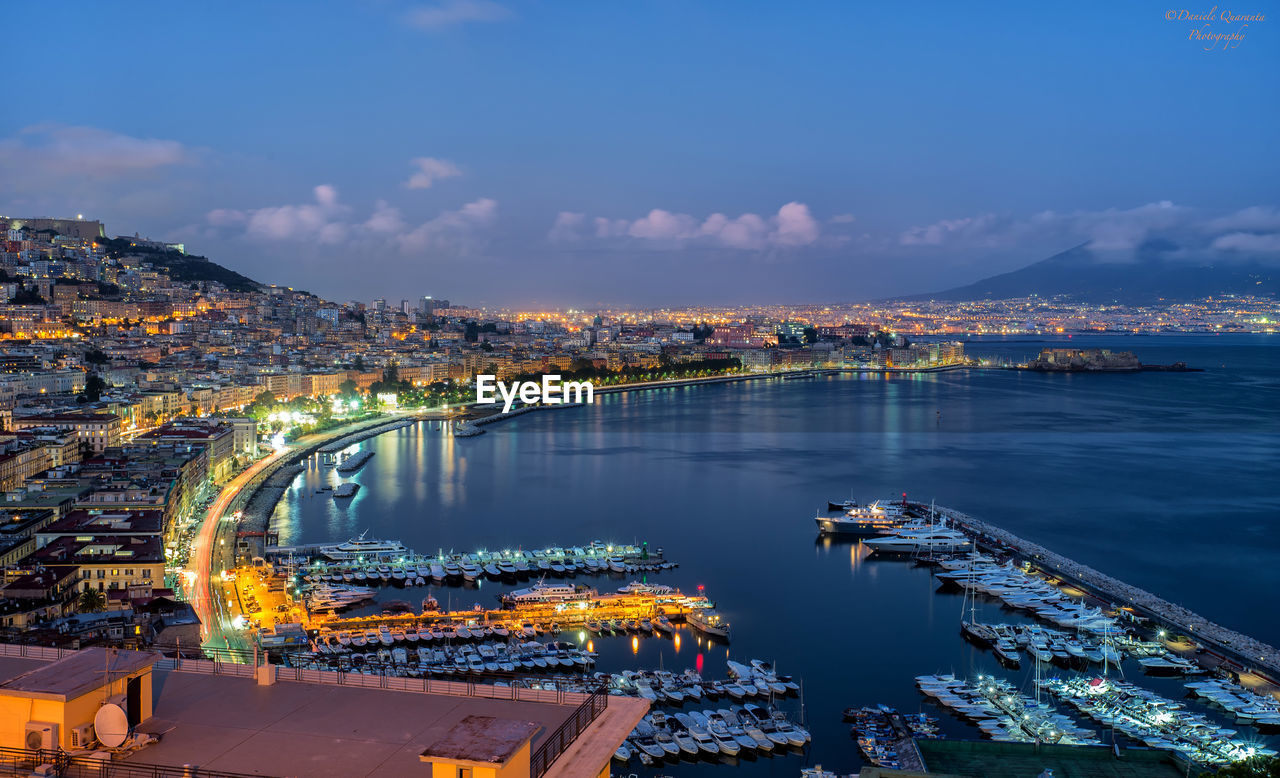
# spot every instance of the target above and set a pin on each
(545, 592)
(878, 518)
(362, 548)
(336, 596)
(927, 539)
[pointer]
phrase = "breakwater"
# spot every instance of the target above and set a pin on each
(1248, 653)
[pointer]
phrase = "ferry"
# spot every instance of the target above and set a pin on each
(544, 592)
(361, 548)
(878, 518)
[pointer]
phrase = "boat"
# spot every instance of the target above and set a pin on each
(878, 518)
(909, 541)
(328, 597)
(545, 592)
(362, 548)
(707, 621)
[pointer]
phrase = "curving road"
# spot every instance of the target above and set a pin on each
(204, 581)
(213, 547)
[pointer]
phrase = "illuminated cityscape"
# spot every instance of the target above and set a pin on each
(492, 389)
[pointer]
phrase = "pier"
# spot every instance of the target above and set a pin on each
(1245, 654)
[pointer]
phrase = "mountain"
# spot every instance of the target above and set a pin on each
(1148, 278)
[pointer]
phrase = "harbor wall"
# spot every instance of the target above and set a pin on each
(1250, 654)
(261, 494)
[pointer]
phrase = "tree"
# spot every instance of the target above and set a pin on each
(92, 601)
(265, 397)
(94, 386)
(27, 296)
(359, 363)
(810, 335)
(96, 357)
(348, 387)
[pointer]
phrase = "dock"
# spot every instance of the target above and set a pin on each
(1238, 652)
(545, 617)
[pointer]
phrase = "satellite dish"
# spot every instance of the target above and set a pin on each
(111, 725)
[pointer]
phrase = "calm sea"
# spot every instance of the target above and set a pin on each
(1165, 480)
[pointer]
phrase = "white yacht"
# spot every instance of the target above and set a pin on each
(877, 518)
(335, 596)
(363, 548)
(708, 621)
(545, 592)
(936, 539)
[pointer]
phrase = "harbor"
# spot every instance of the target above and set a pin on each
(769, 585)
(1098, 624)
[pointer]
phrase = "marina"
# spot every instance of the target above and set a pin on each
(899, 594)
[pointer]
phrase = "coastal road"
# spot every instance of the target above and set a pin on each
(213, 547)
(206, 592)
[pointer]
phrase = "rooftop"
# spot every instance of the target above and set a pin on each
(76, 674)
(291, 728)
(482, 740)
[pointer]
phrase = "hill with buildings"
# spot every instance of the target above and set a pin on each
(179, 265)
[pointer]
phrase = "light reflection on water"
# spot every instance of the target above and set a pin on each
(1126, 473)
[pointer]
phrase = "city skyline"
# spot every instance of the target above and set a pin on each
(686, 156)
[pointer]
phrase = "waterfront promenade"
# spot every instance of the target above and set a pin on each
(213, 547)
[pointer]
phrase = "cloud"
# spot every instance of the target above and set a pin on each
(796, 226)
(1263, 218)
(1248, 242)
(385, 220)
(452, 13)
(791, 227)
(1114, 234)
(429, 171)
(842, 218)
(451, 229)
(328, 221)
(59, 151)
(566, 227)
(1111, 230)
(320, 221)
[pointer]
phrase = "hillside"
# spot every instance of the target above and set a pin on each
(183, 267)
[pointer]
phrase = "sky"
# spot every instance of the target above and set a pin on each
(530, 152)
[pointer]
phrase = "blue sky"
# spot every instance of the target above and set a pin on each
(646, 153)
